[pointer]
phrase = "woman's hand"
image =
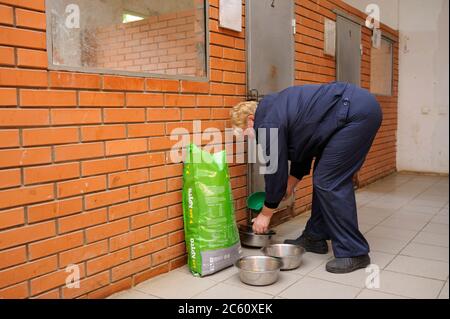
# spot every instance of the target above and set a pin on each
(261, 223)
(291, 184)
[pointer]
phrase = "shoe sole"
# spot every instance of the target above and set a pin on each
(346, 271)
(322, 252)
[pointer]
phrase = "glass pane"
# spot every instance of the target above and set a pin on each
(381, 69)
(146, 36)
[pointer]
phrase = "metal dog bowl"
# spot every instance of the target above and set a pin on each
(259, 270)
(250, 239)
(291, 255)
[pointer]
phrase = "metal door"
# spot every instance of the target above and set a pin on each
(348, 56)
(270, 44)
(270, 28)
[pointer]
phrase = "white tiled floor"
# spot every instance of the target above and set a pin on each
(405, 218)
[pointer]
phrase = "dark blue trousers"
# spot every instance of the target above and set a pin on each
(334, 214)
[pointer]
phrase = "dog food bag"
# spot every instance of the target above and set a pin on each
(212, 237)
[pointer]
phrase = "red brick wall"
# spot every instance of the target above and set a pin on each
(165, 44)
(313, 66)
(85, 176)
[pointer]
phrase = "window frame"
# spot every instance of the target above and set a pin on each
(105, 71)
(391, 42)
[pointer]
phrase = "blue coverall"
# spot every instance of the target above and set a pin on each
(335, 124)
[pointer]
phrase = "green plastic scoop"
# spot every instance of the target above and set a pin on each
(256, 200)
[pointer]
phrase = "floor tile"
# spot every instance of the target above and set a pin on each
(312, 261)
(425, 181)
(435, 228)
(386, 245)
(402, 214)
(407, 220)
(420, 209)
(287, 232)
(223, 274)
(401, 177)
(300, 220)
(380, 188)
(409, 286)
(285, 279)
(380, 259)
(383, 212)
(370, 191)
(364, 228)
(375, 294)
(219, 276)
(370, 219)
(175, 285)
(440, 219)
(184, 269)
(438, 191)
(226, 291)
(357, 278)
(392, 233)
(412, 189)
(312, 288)
(132, 294)
(373, 215)
(380, 203)
(432, 239)
(249, 251)
(398, 194)
(416, 216)
(288, 228)
(365, 198)
(438, 197)
(419, 267)
(426, 251)
(444, 292)
(436, 202)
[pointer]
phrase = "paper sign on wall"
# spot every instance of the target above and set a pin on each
(230, 14)
(330, 37)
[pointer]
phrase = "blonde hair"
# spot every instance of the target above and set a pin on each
(241, 111)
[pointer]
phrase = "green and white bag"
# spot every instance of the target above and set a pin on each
(212, 237)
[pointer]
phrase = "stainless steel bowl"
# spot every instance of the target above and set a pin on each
(250, 239)
(291, 255)
(259, 270)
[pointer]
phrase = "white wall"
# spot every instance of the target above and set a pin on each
(388, 10)
(423, 142)
(423, 103)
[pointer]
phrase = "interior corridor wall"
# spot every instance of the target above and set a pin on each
(423, 86)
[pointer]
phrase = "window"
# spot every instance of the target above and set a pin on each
(381, 68)
(141, 37)
(131, 17)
